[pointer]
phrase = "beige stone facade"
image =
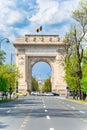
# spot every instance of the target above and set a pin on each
(34, 48)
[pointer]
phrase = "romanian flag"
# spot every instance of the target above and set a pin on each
(39, 29)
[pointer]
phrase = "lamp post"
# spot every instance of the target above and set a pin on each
(7, 40)
(67, 88)
(17, 88)
(12, 58)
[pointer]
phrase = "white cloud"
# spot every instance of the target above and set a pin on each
(47, 8)
(6, 3)
(15, 16)
(9, 13)
(33, 13)
(51, 11)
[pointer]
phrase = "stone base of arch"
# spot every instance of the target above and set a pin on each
(24, 87)
(60, 89)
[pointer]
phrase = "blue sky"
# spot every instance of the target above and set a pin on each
(20, 17)
(41, 70)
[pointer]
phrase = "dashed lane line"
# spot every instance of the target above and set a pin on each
(8, 111)
(45, 110)
(82, 112)
(48, 117)
(83, 120)
(44, 106)
(51, 129)
(25, 121)
(73, 107)
(68, 105)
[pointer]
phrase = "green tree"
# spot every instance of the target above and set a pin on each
(75, 38)
(2, 57)
(84, 70)
(70, 74)
(3, 84)
(47, 85)
(9, 75)
(35, 86)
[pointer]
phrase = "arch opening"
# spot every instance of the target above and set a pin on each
(42, 72)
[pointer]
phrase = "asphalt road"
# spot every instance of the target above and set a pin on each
(43, 113)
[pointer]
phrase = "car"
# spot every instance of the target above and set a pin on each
(34, 93)
(48, 94)
(21, 94)
(56, 94)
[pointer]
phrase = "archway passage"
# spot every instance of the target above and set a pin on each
(41, 70)
(41, 77)
(34, 48)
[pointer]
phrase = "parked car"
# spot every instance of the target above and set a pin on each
(56, 94)
(48, 94)
(21, 94)
(34, 93)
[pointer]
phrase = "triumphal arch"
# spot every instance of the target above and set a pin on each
(31, 49)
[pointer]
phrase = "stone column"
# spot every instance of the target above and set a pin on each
(21, 64)
(59, 85)
(29, 76)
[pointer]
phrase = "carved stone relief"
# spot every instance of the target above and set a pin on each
(21, 61)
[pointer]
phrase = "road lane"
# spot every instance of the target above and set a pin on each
(66, 118)
(13, 113)
(59, 116)
(43, 113)
(38, 116)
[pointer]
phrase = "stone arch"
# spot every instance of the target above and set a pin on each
(47, 60)
(33, 60)
(31, 49)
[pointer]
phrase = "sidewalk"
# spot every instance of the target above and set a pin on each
(84, 102)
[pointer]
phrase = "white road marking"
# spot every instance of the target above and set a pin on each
(73, 107)
(68, 105)
(43, 101)
(3, 108)
(51, 129)
(82, 112)
(44, 106)
(45, 110)
(48, 117)
(15, 107)
(85, 121)
(8, 111)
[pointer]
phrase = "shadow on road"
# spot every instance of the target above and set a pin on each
(2, 125)
(24, 108)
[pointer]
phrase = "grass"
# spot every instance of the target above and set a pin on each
(82, 101)
(6, 100)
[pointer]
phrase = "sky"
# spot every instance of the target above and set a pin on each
(20, 17)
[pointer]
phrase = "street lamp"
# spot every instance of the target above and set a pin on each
(12, 54)
(6, 39)
(17, 88)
